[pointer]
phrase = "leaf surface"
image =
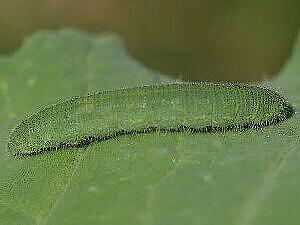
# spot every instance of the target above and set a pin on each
(226, 178)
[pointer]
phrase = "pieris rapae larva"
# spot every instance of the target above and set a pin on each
(202, 107)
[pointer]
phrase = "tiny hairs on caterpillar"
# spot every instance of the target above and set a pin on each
(201, 107)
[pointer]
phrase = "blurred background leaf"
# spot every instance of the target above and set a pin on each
(216, 40)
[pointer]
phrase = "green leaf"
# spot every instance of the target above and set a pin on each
(227, 178)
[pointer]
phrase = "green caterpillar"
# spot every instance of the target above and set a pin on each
(202, 107)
